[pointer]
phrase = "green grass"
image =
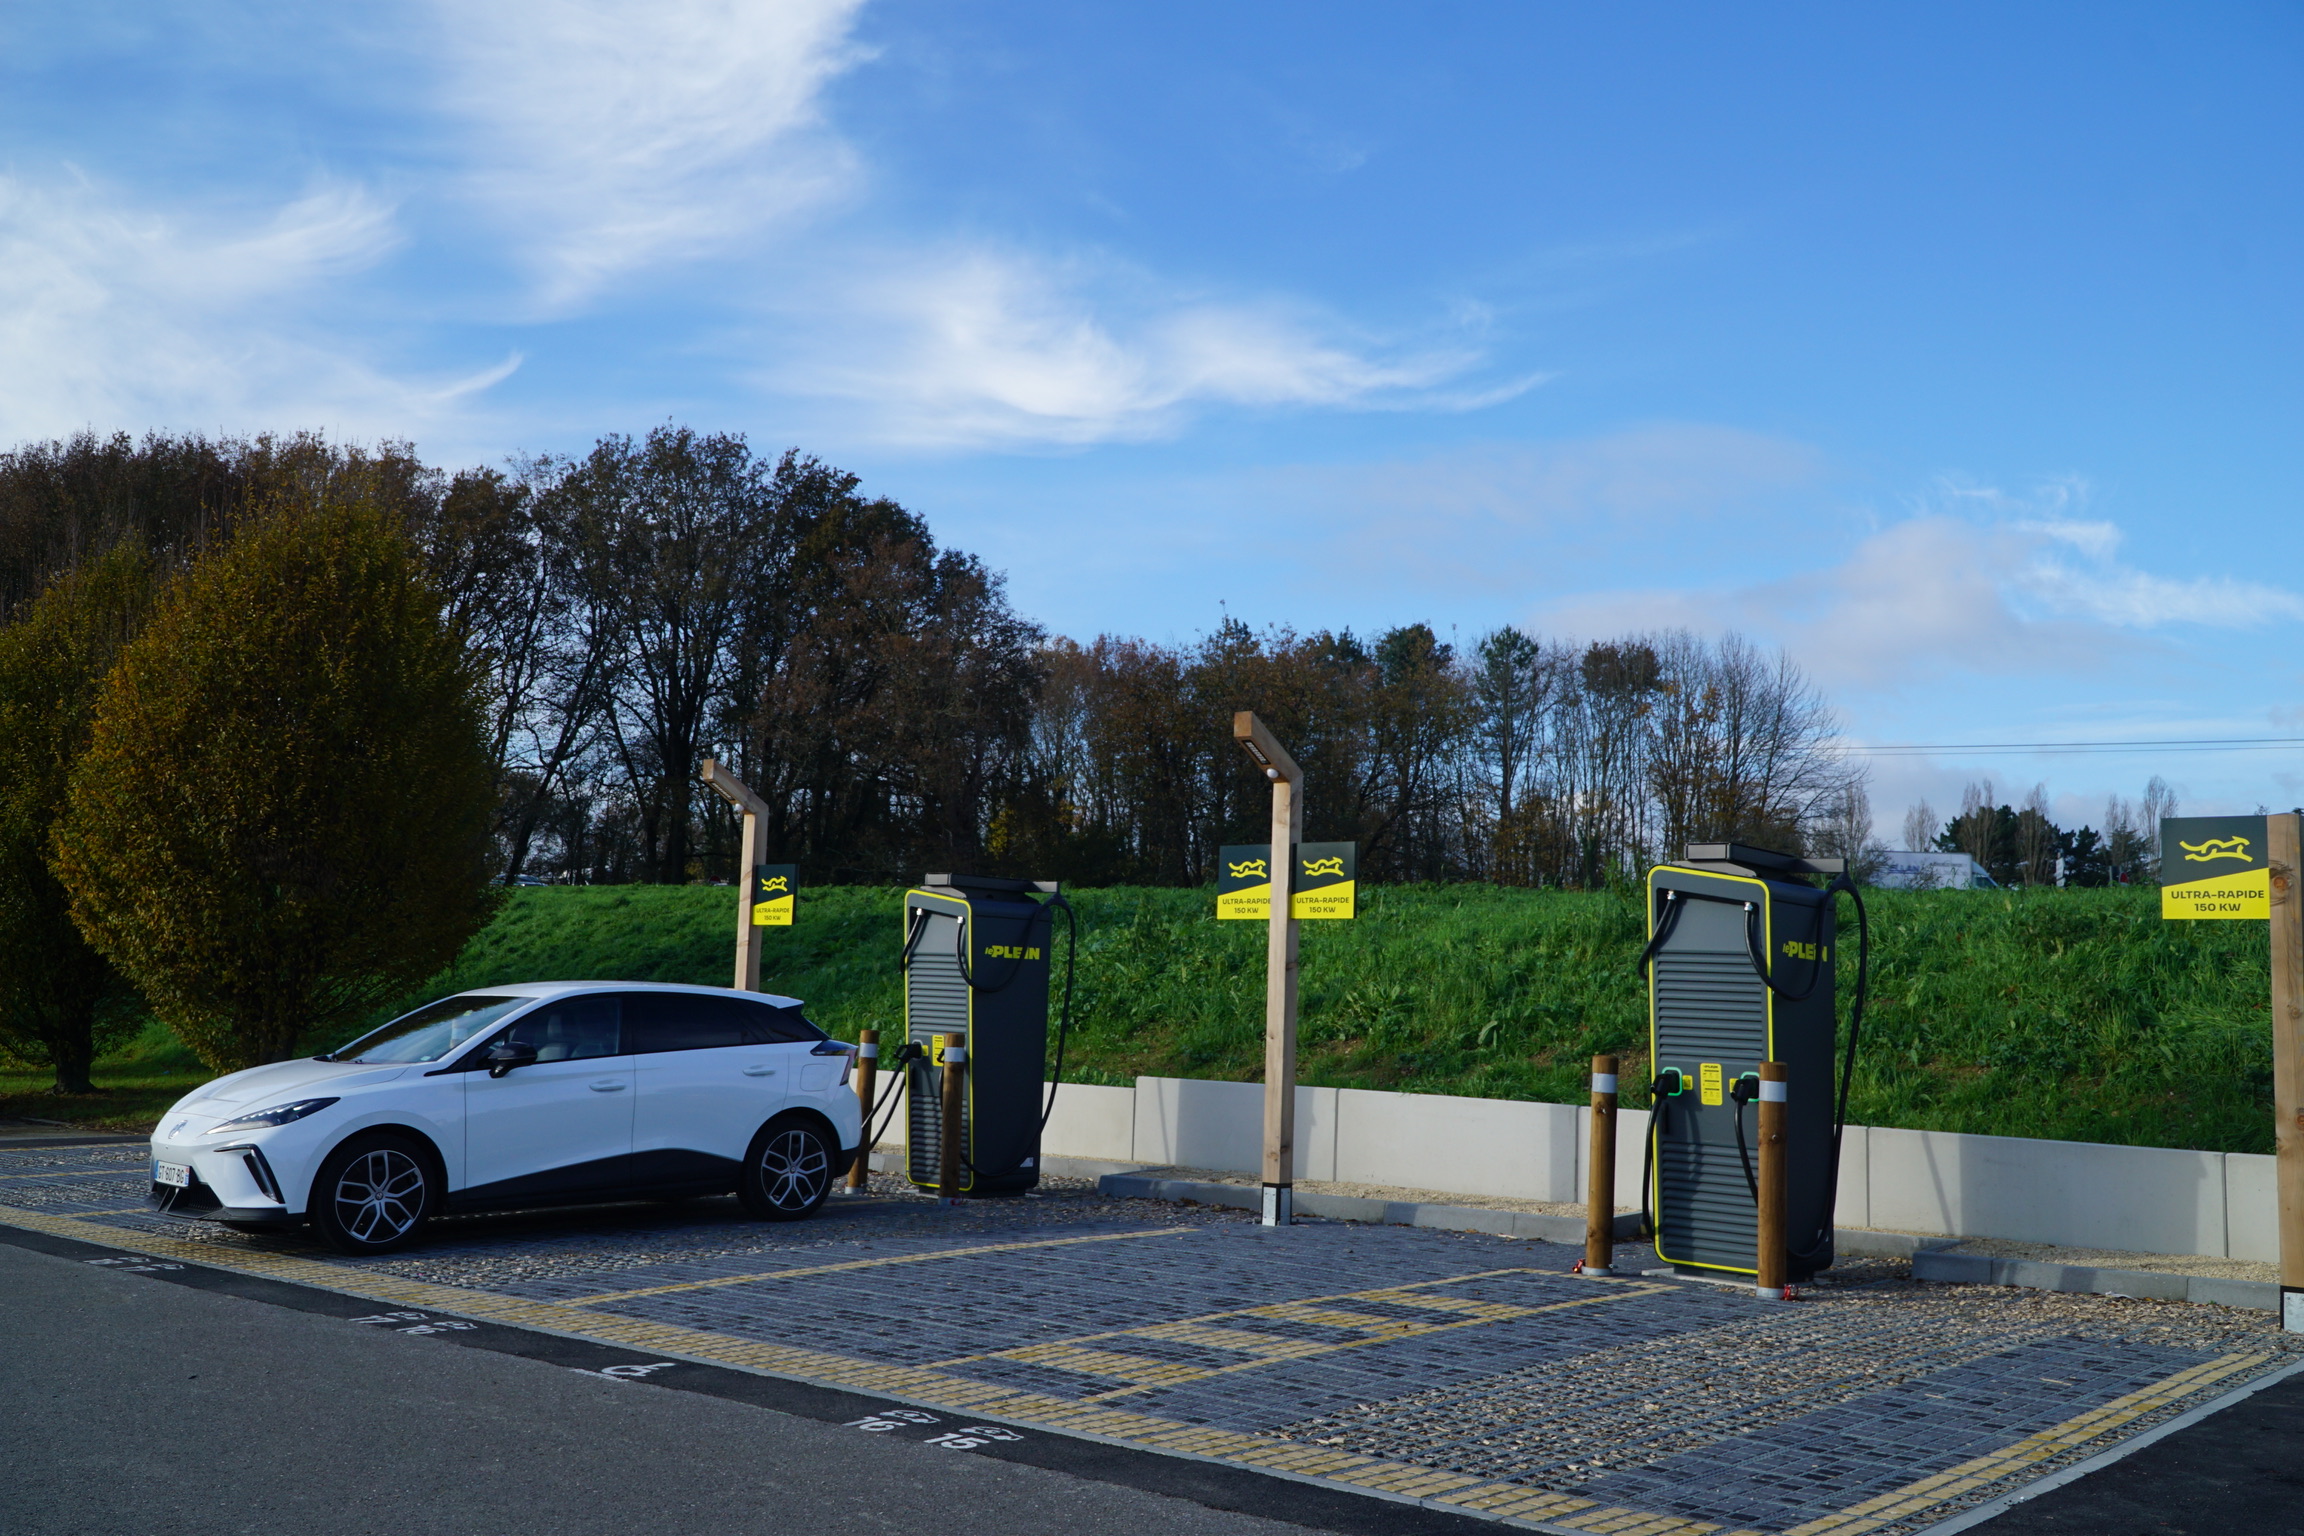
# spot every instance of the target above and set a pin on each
(2072, 1014)
(135, 1083)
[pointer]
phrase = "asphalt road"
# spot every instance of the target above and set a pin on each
(2238, 1472)
(129, 1405)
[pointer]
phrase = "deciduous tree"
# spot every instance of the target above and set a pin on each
(61, 1002)
(282, 815)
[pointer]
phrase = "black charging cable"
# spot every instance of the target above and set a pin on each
(1744, 1090)
(1815, 1250)
(1667, 919)
(1662, 1089)
(1760, 966)
(890, 1091)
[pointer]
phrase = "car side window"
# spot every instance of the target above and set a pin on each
(773, 1025)
(690, 1021)
(573, 1029)
(684, 1021)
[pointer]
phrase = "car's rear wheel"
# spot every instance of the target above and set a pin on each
(373, 1195)
(788, 1172)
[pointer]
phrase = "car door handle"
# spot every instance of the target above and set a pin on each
(609, 1085)
(757, 1071)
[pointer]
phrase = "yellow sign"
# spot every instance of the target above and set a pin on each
(774, 894)
(2215, 866)
(1325, 886)
(2246, 894)
(1708, 1079)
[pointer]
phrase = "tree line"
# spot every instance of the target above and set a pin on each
(2023, 845)
(513, 672)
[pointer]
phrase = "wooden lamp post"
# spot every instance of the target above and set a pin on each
(733, 790)
(1279, 967)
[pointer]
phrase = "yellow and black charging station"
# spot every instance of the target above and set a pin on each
(977, 953)
(1740, 963)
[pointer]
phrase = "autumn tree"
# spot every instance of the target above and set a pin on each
(61, 1002)
(281, 818)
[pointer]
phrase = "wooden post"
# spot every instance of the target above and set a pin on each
(950, 1124)
(1279, 967)
(1769, 1284)
(1600, 1189)
(2283, 835)
(733, 790)
(867, 1068)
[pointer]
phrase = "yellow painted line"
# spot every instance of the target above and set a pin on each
(139, 1173)
(1107, 1363)
(1071, 1355)
(1969, 1476)
(880, 1263)
(1238, 1340)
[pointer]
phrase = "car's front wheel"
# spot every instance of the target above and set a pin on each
(788, 1172)
(373, 1195)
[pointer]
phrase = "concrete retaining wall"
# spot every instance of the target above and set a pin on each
(2079, 1194)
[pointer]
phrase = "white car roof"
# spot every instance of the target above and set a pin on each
(556, 988)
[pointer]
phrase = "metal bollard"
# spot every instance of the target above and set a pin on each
(1600, 1193)
(1769, 1285)
(867, 1068)
(948, 1126)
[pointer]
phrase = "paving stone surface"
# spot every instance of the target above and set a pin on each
(1469, 1371)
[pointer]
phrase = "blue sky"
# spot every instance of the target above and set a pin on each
(1956, 350)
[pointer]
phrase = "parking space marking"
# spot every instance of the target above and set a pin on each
(880, 1263)
(1145, 1374)
(1516, 1503)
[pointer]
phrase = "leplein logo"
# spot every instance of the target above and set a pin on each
(1324, 866)
(775, 883)
(1247, 869)
(2216, 848)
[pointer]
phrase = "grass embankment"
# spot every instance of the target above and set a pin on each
(2071, 1014)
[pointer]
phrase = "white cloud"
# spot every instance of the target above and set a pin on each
(979, 347)
(1939, 593)
(614, 137)
(115, 314)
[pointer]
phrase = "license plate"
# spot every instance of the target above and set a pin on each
(172, 1173)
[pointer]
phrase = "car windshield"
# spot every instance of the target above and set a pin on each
(432, 1031)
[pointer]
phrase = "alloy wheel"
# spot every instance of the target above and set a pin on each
(380, 1196)
(794, 1168)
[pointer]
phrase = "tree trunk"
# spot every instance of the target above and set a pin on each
(72, 1057)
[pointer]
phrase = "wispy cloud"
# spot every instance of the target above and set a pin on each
(116, 313)
(980, 347)
(613, 137)
(1940, 593)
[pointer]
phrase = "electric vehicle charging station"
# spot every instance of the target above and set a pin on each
(1741, 959)
(977, 953)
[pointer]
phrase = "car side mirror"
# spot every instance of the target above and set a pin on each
(504, 1055)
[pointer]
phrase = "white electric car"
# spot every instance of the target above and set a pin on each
(545, 1093)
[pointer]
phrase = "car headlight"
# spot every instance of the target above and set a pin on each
(278, 1114)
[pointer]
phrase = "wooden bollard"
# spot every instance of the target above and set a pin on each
(1600, 1193)
(1769, 1285)
(867, 1069)
(954, 1059)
